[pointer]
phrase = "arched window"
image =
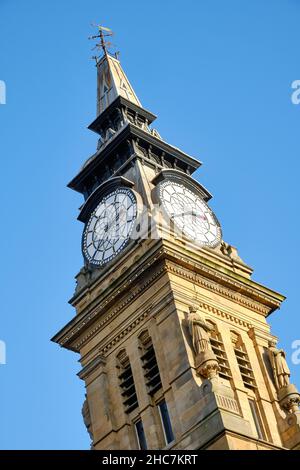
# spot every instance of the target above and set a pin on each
(219, 350)
(243, 361)
(126, 382)
(149, 363)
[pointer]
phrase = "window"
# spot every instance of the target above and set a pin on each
(166, 422)
(150, 367)
(257, 420)
(243, 361)
(126, 382)
(139, 428)
(219, 351)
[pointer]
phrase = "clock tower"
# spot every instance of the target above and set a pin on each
(175, 348)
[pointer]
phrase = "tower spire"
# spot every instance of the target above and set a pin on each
(112, 81)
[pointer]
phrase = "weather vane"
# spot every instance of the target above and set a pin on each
(104, 44)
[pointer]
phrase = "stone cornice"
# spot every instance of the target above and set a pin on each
(104, 348)
(124, 332)
(68, 339)
(98, 361)
(216, 280)
(221, 313)
(226, 284)
(219, 289)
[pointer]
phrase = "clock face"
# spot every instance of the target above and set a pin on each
(190, 214)
(109, 227)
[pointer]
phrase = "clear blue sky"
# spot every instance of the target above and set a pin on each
(218, 74)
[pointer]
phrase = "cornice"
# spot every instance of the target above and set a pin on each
(109, 317)
(164, 146)
(221, 313)
(118, 102)
(247, 294)
(214, 311)
(117, 338)
(98, 361)
(188, 267)
(219, 289)
(67, 340)
(108, 343)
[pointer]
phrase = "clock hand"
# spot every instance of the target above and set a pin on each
(189, 213)
(119, 216)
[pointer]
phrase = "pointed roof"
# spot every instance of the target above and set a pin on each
(111, 83)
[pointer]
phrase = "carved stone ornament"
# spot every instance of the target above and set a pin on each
(288, 395)
(289, 398)
(205, 360)
(87, 418)
(281, 371)
(207, 365)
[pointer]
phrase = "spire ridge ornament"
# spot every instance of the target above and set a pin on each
(104, 44)
(111, 79)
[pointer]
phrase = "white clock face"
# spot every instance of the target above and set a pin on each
(109, 227)
(190, 214)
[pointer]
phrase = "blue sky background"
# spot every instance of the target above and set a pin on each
(218, 74)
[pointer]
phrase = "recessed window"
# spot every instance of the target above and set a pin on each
(126, 382)
(139, 428)
(243, 361)
(150, 366)
(219, 351)
(257, 420)
(166, 422)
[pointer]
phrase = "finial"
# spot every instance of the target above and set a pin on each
(103, 44)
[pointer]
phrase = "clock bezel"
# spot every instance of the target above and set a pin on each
(175, 181)
(134, 199)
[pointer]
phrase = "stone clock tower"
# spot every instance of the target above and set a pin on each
(172, 331)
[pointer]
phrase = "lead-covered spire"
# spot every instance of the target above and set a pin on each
(111, 83)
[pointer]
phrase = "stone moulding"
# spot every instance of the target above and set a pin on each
(126, 331)
(97, 362)
(117, 310)
(221, 313)
(227, 403)
(207, 277)
(150, 310)
(219, 289)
